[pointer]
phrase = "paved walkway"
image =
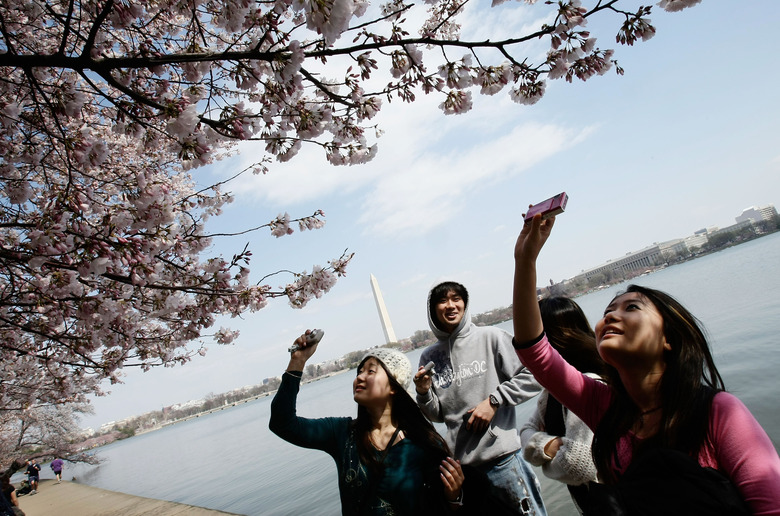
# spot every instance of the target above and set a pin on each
(72, 499)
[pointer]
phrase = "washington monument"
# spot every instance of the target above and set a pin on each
(380, 306)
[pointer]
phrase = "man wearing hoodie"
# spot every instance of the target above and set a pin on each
(473, 388)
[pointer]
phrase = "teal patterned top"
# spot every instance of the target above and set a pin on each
(408, 485)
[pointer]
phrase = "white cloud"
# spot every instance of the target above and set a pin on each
(418, 182)
(419, 192)
(306, 178)
(411, 128)
(414, 280)
(507, 21)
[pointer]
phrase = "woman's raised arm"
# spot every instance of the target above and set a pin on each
(525, 309)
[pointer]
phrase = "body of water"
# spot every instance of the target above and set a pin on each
(230, 460)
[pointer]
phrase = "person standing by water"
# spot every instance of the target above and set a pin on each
(668, 438)
(33, 472)
(554, 437)
(474, 386)
(390, 459)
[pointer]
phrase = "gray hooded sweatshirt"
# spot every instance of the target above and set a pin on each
(471, 363)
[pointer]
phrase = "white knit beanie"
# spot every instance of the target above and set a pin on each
(396, 363)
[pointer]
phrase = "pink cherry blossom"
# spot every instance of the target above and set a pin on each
(456, 102)
(106, 108)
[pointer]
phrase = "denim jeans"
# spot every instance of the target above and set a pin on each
(515, 483)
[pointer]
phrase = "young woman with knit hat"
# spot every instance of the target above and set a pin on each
(390, 459)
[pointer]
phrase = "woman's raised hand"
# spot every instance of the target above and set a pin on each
(526, 318)
(532, 237)
(300, 356)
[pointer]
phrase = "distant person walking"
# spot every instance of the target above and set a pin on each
(33, 472)
(56, 467)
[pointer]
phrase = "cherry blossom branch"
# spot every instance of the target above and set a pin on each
(105, 108)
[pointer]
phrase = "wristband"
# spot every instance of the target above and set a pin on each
(528, 343)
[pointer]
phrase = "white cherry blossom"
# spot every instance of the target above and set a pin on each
(107, 107)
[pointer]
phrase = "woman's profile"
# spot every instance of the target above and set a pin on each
(390, 459)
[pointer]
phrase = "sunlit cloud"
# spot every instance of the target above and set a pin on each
(306, 178)
(414, 280)
(408, 130)
(506, 21)
(424, 191)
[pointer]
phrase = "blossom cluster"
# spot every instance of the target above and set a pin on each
(106, 107)
(103, 265)
(48, 429)
(194, 77)
(319, 282)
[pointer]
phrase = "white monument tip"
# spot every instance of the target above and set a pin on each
(387, 326)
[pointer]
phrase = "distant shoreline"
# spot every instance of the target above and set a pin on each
(490, 318)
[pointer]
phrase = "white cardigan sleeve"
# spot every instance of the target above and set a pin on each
(573, 464)
(532, 435)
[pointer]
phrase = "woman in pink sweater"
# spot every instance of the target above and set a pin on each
(668, 438)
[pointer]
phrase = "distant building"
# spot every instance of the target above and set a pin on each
(757, 214)
(639, 260)
(733, 228)
(706, 231)
(673, 247)
(105, 427)
(697, 240)
(188, 404)
(659, 253)
(86, 433)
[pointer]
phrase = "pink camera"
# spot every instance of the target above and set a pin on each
(550, 207)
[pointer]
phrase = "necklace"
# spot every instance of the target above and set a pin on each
(386, 448)
(642, 414)
(649, 411)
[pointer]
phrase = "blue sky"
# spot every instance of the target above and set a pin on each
(686, 139)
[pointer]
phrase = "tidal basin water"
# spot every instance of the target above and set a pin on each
(230, 460)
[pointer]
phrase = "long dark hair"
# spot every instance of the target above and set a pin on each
(408, 417)
(689, 383)
(569, 331)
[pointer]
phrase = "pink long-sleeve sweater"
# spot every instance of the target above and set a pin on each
(737, 447)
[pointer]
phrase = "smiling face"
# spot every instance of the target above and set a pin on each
(631, 333)
(371, 386)
(450, 310)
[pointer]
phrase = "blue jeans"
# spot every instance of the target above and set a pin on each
(515, 483)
